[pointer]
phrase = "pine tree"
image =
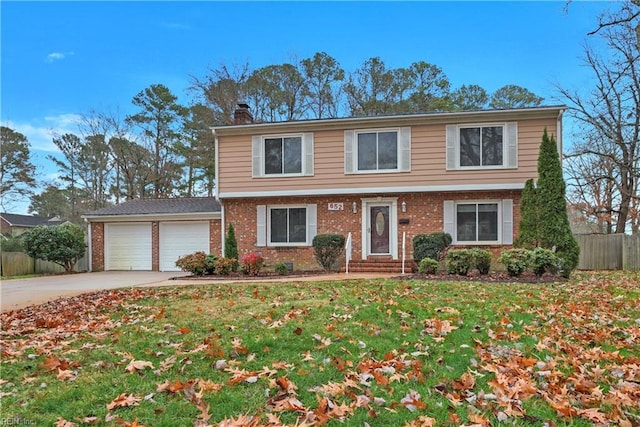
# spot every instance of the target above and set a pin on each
(554, 231)
(528, 236)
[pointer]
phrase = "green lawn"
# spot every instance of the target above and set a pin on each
(382, 352)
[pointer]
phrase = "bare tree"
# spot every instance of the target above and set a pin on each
(324, 77)
(221, 90)
(609, 115)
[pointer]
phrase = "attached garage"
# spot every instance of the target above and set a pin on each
(151, 234)
(128, 246)
(181, 238)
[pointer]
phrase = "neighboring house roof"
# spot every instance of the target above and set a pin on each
(175, 206)
(17, 220)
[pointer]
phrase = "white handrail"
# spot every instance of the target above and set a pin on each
(347, 249)
(404, 249)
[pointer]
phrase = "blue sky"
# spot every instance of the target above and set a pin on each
(61, 59)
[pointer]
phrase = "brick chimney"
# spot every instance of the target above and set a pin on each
(242, 116)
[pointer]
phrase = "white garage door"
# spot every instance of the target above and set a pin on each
(181, 238)
(128, 246)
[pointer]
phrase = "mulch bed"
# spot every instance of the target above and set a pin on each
(260, 276)
(473, 276)
(492, 277)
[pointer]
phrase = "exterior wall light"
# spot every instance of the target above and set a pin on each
(404, 206)
(354, 207)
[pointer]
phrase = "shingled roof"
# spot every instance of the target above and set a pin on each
(17, 220)
(185, 205)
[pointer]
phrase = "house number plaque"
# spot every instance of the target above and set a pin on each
(334, 206)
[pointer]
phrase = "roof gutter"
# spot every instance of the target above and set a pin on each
(152, 217)
(395, 120)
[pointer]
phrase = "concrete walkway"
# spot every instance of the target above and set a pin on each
(20, 293)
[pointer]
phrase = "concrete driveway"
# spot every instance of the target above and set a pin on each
(20, 293)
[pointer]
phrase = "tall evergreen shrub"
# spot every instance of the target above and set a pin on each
(528, 236)
(231, 246)
(554, 231)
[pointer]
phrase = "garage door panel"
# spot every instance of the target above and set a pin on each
(128, 246)
(181, 238)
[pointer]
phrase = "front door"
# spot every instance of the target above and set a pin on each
(379, 226)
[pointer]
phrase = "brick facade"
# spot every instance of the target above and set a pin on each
(424, 214)
(97, 246)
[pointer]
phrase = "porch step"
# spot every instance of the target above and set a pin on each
(380, 266)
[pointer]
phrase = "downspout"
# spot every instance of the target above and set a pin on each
(217, 193)
(90, 245)
(560, 134)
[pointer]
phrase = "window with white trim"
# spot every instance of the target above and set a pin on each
(482, 146)
(480, 222)
(377, 150)
(282, 155)
(286, 225)
(477, 222)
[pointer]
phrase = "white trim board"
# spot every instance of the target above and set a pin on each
(374, 190)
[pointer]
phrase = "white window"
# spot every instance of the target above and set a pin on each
(286, 225)
(381, 150)
(283, 155)
(483, 146)
(479, 222)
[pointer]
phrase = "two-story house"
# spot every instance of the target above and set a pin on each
(383, 179)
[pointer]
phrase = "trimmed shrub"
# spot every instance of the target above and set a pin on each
(61, 244)
(194, 263)
(428, 266)
(430, 246)
(280, 268)
(209, 263)
(327, 249)
(516, 261)
(481, 260)
(252, 263)
(224, 266)
(542, 260)
(459, 261)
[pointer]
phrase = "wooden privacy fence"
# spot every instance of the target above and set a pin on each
(19, 263)
(609, 252)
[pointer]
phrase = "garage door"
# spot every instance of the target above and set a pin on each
(128, 246)
(181, 238)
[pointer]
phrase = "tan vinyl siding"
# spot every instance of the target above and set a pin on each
(428, 163)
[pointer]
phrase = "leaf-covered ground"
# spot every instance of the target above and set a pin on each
(376, 353)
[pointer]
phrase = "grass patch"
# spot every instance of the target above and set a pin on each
(383, 352)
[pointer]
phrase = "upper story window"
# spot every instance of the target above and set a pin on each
(282, 155)
(481, 146)
(371, 151)
(377, 150)
(485, 146)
